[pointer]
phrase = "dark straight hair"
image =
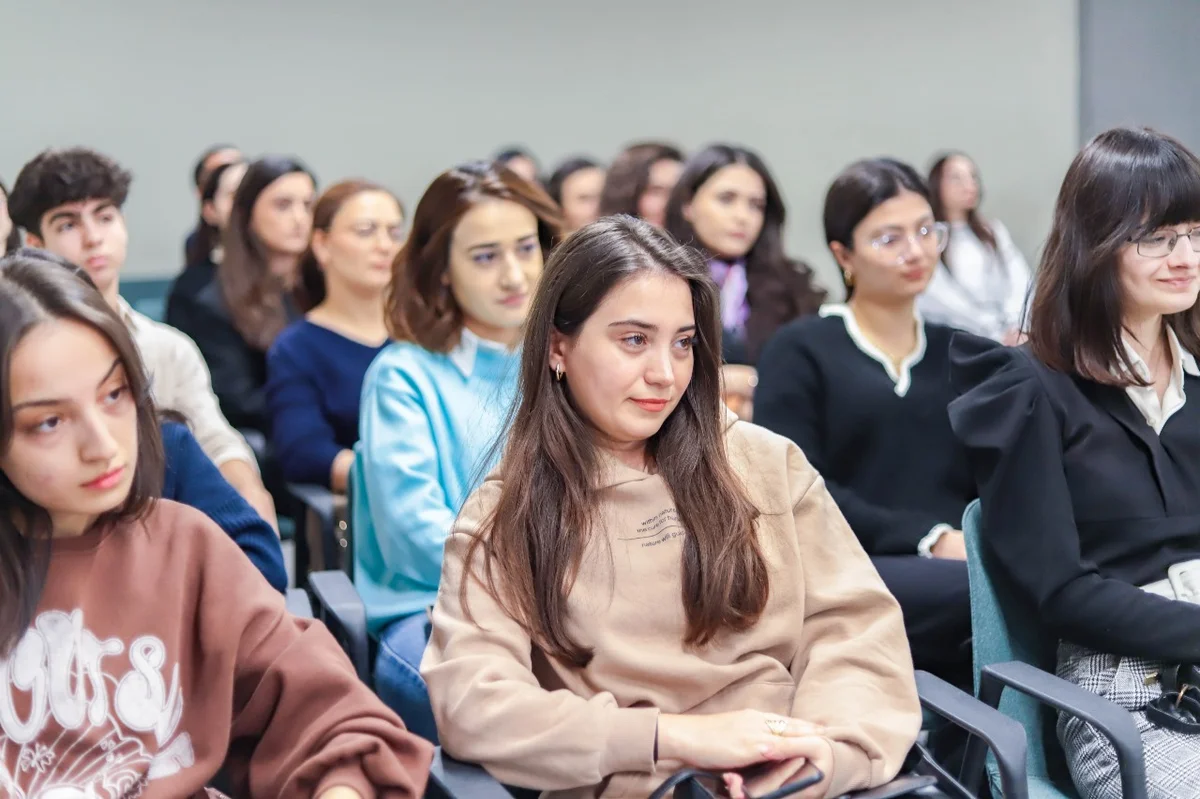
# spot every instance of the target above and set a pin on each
(858, 190)
(975, 221)
(254, 296)
(780, 288)
(37, 287)
(548, 508)
(207, 236)
(1124, 184)
(13, 242)
(420, 306)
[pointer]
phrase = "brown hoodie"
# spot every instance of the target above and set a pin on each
(830, 646)
(156, 648)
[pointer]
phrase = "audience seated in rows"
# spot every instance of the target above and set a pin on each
(862, 389)
(582, 642)
(69, 203)
(316, 366)
(435, 401)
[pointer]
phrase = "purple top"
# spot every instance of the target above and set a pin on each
(731, 279)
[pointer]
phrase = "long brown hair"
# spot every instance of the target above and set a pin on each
(310, 283)
(1124, 184)
(254, 296)
(779, 288)
(975, 221)
(629, 173)
(420, 306)
(548, 505)
(36, 287)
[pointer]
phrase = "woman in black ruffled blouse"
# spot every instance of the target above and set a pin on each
(1085, 444)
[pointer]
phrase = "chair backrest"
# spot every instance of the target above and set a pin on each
(1006, 628)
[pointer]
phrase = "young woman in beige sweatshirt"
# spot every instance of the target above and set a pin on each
(646, 583)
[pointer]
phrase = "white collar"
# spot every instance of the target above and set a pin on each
(902, 378)
(126, 313)
(1181, 360)
(465, 352)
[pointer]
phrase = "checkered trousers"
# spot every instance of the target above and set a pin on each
(1172, 758)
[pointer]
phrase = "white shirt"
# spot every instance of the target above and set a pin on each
(987, 292)
(180, 382)
(1156, 412)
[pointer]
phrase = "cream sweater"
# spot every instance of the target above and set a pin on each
(830, 647)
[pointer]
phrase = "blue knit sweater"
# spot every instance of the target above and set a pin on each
(192, 479)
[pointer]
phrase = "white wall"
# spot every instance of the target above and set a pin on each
(398, 91)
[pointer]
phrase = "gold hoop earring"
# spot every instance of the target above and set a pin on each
(558, 372)
(848, 278)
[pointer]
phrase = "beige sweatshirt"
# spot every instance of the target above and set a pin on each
(830, 647)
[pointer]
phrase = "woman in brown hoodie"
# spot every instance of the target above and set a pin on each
(140, 650)
(646, 583)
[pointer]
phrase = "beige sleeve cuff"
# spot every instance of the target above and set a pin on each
(630, 744)
(851, 770)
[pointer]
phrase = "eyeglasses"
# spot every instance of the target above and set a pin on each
(1160, 245)
(931, 238)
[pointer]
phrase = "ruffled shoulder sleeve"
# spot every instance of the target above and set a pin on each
(999, 390)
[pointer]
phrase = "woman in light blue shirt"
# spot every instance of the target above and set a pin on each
(434, 402)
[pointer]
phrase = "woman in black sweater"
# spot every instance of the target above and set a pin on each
(863, 387)
(236, 317)
(1086, 445)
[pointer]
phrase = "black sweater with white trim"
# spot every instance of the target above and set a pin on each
(880, 438)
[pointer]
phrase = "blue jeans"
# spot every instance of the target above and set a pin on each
(398, 676)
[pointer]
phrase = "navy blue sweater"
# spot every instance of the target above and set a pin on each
(314, 390)
(193, 479)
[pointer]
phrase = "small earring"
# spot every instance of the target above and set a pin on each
(848, 277)
(558, 372)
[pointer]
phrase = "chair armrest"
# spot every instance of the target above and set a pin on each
(318, 501)
(1113, 721)
(298, 603)
(315, 499)
(1004, 736)
(453, 779)
(342, 610)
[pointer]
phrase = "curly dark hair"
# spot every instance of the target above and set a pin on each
(57, 177)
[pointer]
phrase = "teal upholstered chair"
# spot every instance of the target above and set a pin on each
(1012, 650)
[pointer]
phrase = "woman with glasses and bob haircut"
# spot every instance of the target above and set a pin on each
(1085, 443)
(862, 388)
(647, 582)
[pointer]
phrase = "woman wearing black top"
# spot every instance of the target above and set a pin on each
(863, 389)
(236, 317)
(1086, 443)
(203, 249)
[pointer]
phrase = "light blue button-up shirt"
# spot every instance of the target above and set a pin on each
(428, 428)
